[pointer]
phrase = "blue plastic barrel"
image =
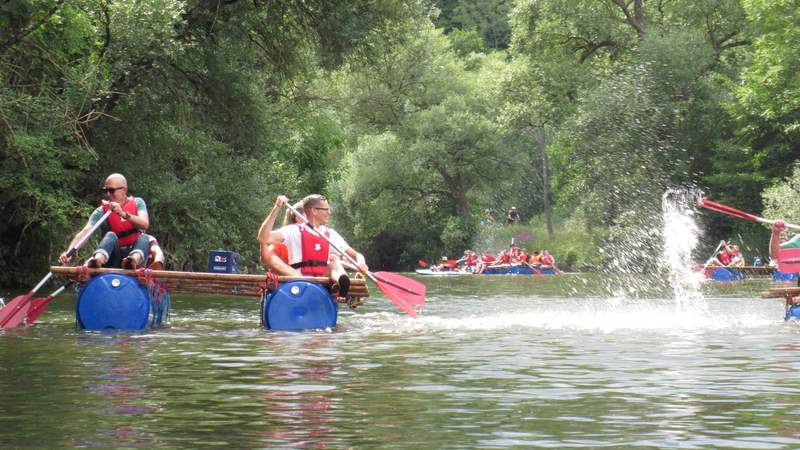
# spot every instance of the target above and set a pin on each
(780, 276)
(118, 302)
(721, 274)
(793, 312)
(299, 305)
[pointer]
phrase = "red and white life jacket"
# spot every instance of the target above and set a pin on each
(315, 252)
(124, 229)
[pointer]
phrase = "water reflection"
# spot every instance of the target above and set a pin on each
(120, 367)
(302, 402)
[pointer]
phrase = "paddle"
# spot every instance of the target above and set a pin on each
(720, 208)
(788, 259)
(708, 261)
(403, 292)
(422, 263)
(39, 305)
(16, 311)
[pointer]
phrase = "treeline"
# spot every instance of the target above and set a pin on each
(413, 117)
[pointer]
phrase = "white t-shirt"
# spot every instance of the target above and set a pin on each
(293, 241)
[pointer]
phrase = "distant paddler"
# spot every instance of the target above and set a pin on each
(125, 244)
(309, 253)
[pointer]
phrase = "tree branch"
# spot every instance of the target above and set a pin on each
(14, 40)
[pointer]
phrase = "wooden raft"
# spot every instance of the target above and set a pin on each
(248, 285)
(787, 293)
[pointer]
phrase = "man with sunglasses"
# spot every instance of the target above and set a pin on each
(309, 253)
(125, 244)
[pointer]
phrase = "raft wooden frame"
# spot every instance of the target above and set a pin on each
(789, 294)
(234, 284)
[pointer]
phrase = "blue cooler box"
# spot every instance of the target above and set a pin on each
(221, 261)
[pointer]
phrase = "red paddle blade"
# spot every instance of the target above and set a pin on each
(38, 306)
(411, 291)
(422, 263)
(718, 207)
(15, 312)
(394, 294)
(789, 260)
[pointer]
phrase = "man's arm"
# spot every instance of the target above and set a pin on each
(65, 257)
(265, 233)
(362, 263)
(775, 238)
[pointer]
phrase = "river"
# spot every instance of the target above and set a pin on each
(572, 361)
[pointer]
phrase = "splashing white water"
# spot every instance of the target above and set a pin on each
(681, 235)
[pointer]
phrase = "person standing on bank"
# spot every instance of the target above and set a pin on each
(512, 217)
(309, 253)
(125, 244)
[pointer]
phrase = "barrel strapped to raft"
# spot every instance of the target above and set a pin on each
(121, 302)
(298, 305)
(726, 274)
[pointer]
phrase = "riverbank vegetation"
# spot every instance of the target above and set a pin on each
(413, 117)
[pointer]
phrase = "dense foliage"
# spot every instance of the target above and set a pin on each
(415, 118)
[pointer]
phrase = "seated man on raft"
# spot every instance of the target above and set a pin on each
(309, 253)
(125, 244)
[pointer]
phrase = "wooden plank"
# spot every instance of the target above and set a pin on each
(222, 283)
(160, 274)
(781, 292)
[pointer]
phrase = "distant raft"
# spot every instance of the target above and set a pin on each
(117, 299)
(725, 274)
(441, 273)
(518, 270)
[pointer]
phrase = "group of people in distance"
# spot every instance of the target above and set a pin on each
(514, 256)
(727, 256)
(302, 246)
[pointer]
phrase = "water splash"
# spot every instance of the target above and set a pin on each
(681, 235)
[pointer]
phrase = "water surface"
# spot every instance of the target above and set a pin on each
(494, 362)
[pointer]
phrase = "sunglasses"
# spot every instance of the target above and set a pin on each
(110, 190)
(322, 209)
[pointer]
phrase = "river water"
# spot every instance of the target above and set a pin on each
(572, 361)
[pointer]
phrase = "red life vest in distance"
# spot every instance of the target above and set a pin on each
(724, 257)
(315, 252)
(548, 260)
(124, 229)
(472, 260)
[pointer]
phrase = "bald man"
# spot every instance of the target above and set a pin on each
(125, 244)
